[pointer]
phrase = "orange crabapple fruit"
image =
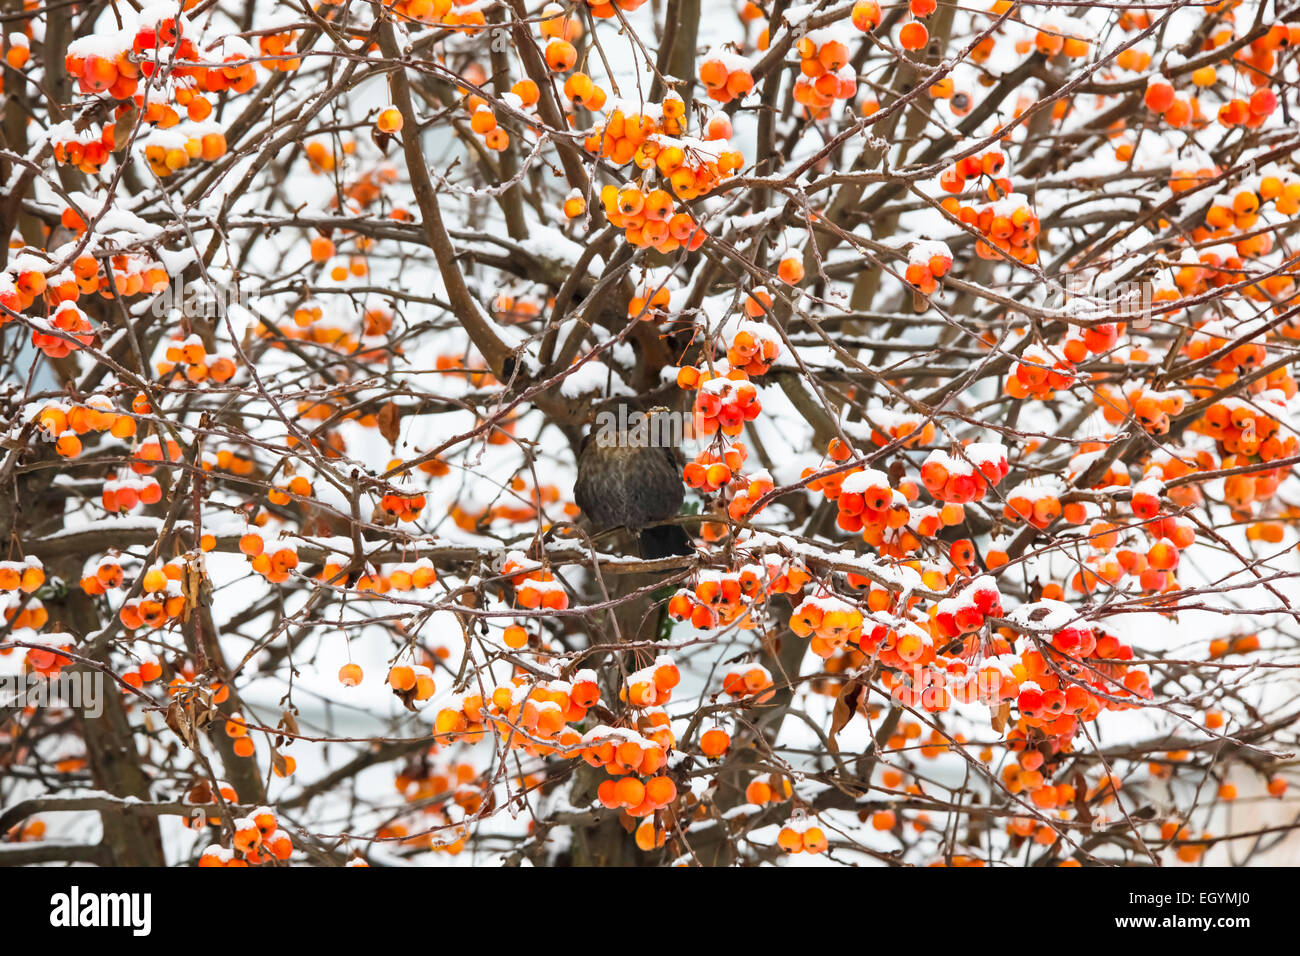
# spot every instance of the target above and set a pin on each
(965, 612)
(802, 837)
(866, 15)
(725, 404)
(714, 743)
(913, 36)
(1036, 502)
(967, 475)
(726, 599)
(753, 348)
(575, 205)
(829, 621)
(712, 470)
(790, 270)
(749, 680)
(927, 261)
(1039, 374)
(651, 686)
(726, 76)
(560, 55)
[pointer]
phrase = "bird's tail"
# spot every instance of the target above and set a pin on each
(664, 541)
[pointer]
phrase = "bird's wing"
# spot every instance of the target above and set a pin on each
(674, 455)
(582, 491)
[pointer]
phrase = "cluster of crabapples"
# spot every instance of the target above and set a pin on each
(866, 502)
(537, 716)
(754, 346)
(1076, 675)
(1150, 408)
(635, 788)
(826, 73)
(1042, 370)
(440, 12)
(190, 359)
(1148, 554)
(534, 587)
(407, 576)
(713, 470)
(801, 835)
(322, 249)
(1038, 503)
(236, 728)
(25, 576)
(257, 839)
(127, 492)
(412, 683)
(1160, 97)
(162, 595)
(103, 574)
(473, 519)
(724, 599)
(406, 506)
(723, 403)
(1252, 64)
(113, 63)
(70, 330)
(927, 261)
(169, 151)
(403, 506)
(885, 516)
(650, 219)
(717, 467)
(1210, 342)
(67, 328)
(749, 680)
(64, 424)
(24, 281)
(309, 324)
(1007, 223)
(275, 560)
(87, 150)
(153, 451)
(726, 76)
(1055, 35)
(830, 622)
(1039, 374)
(422, 779)
(129, 275)
(966, 475)
(47, 659)
(532, 715)
(1233, 216)
(481, 120)
(653, 139)
(965, 612)
(1249, 428)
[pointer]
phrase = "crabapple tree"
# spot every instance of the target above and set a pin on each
(979, 322)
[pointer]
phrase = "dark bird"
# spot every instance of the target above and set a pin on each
(630, 476)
